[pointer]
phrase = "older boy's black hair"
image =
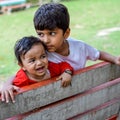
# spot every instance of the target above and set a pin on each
(51, 15)
(23, 45)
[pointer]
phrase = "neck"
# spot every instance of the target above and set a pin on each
(64, 49)
(39, 78)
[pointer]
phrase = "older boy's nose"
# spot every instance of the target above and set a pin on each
(46, 40)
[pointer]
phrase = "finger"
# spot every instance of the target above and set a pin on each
(11, 94)
(59, 78)
(16, 88)
(66, 83)
(63, 84)
(2, 96)
(6, 96)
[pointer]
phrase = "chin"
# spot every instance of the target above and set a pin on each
(42, 74)
(51, 50)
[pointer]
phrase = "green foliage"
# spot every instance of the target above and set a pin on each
(32, 1)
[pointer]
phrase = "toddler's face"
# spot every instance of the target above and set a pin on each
(35, 62)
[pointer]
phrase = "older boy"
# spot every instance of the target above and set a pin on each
(51, 22)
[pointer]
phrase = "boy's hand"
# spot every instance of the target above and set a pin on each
(66, 79)
(7, 92)
(117, 60)
(109, 58)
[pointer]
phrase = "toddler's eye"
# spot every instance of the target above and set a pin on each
(31, 61)
(43, 56)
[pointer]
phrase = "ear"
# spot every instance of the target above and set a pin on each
(67, 33)
(21, 65)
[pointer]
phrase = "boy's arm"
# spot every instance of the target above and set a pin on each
(7, 89)
(110, 58)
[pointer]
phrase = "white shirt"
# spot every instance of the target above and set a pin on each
(80, 52)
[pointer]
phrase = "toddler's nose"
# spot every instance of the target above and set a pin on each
(39, 62)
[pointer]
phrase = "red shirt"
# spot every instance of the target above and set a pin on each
(55, 69)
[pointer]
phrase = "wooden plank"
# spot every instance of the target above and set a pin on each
(50, 91)
(80, 107)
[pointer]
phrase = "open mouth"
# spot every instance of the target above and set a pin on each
(40, 69)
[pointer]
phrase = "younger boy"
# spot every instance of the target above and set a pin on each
(32, 58)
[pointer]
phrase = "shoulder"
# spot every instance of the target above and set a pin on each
(54, 69)
(20, 79)
(78, 43)
(21, 73)
(50, 64)
(75, 41)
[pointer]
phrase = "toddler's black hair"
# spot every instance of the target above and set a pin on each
(23, 45)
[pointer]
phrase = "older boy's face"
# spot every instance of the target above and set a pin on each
(53, 39)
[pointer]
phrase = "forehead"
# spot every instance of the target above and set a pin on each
(48, 30)
(36, 50)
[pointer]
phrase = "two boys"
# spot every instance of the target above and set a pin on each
(51, 22)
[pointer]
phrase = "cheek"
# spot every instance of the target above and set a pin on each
(24, 68)
(23, 65)
(41, 39)
(46, 62)
(59, 40)
(27, 66)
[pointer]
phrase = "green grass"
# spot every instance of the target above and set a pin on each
(88, 17)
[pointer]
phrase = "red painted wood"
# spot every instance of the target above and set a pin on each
(114, 117)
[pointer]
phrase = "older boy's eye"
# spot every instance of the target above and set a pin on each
(52, 33)
(40, 34)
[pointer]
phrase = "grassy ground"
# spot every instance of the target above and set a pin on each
(88, 17)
